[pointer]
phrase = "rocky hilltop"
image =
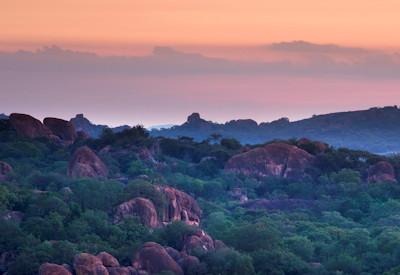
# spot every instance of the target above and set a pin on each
(81, 123)
(375, 130)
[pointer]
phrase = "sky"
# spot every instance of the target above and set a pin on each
(157, 61)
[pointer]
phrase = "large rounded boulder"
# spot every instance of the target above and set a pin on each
(28, 126)
(85, 163)
(381, 171)
(272, 160)
(180, 206)
(154, 259)
(87, 264)
(65, 130)
(107, 259)
(142, 208)
(53, 269)
(198, 243)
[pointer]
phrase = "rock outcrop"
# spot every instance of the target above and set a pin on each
(142, 208)
(107, 259)
(53, 269)
(154, 259)
(311, 146)
(82, 124)
(180, 206)
(122, 270)
(272, 160)
(87, 264)
(30, 127)
(5, 170)
(65, 130)
(198, 242)
(190, 264)
(151, 258)
(381, 171)
(85, 163)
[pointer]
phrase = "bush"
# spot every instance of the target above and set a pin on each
(228, 262)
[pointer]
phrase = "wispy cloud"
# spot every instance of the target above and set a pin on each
(169, 61)
(301, 46)
(137, 89)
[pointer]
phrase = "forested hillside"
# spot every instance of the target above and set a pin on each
(130, 203)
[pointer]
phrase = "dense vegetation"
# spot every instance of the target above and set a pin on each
(351, 227)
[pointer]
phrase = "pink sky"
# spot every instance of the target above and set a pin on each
(168, 86)
(225, 59)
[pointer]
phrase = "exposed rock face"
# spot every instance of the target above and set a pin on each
(86, 264)
(382, 171)
(146, 155)
(143, 208)
(65, 130)
(218, 244)
(153, 258)
(272, 160)
(190, 264)
(28, 126)
(119, 270)
(312, 147)
(5, 169)
(199, 242)
(175, 254)
(82, 124)
(53, 269)
(181, 206)
(85, 163)
(194, 118)
(107, 259)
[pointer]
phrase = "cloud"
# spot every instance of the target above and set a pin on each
(300, 46)
(166, 61)
(137, 89)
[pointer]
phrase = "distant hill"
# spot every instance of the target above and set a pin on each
(3, 116)
(376, 129)
(160, 127)
(81, 123)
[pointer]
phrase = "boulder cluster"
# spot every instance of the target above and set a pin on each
(179, 206)
(54, 129)
(151, 258)
(289, 161)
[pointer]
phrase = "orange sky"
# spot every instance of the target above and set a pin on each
(366, 23)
